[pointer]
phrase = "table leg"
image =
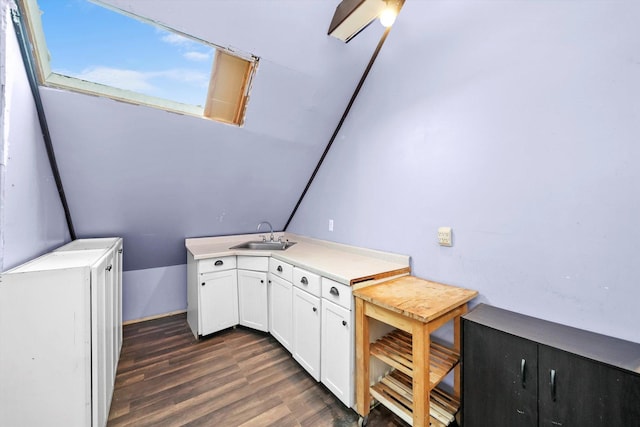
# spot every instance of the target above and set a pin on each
(363, 397)
(421, 385)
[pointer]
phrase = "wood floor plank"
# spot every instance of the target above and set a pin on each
(237, 377)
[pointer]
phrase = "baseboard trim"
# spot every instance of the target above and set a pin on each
(157, 316)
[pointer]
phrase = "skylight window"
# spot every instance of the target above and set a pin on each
(84, 46)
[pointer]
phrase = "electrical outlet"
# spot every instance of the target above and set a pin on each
(444, 236)
(330, 225)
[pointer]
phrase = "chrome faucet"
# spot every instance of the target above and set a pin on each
(270, 228)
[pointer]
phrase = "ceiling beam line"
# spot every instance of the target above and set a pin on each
(340, 123)
(27, 59)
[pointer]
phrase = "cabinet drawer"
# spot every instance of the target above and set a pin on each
(255, 263)
(281, 269)
(216, 264)
(337, 293)
(307, 281)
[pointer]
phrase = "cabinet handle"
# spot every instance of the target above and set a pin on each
(552, 384)
(304, 281)
(218, 263)
(334, 291)
(119, 251)
(315, 309)
(203, 283)
(279, 269)
(261, 281)
(109, 267)
(344, 323)
(523, 381)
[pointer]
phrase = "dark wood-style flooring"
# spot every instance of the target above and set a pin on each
(237, 377)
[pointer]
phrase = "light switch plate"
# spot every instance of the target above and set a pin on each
(444, 236)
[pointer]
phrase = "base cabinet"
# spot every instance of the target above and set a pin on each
(521, 371)
(212, 294)
(60, 336)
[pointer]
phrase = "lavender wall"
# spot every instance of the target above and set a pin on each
(31, 216)
(516, 123)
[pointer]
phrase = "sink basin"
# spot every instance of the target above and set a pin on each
(265, 246)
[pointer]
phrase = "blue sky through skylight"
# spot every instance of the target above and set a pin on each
(92, 43)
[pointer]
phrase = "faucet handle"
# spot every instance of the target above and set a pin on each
(264, 239)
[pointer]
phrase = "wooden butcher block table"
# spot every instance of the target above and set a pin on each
(416, 308)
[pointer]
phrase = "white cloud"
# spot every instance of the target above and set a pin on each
(197, 56)
(148, 82)
(124, 79)
(176, 39)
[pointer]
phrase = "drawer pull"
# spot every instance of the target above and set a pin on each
(304, 281)
(334, 291)
(109, 267)
(218, 263)
(315, 309)
(119, 251)
(344, 323)
(523, 381)
(203, 283)
(279, 269)
(261, 281)
(552, 384)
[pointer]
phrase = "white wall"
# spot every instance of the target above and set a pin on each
(516, 123)
(31, 216)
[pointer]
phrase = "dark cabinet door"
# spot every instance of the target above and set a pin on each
(577, 392)
(500, 376)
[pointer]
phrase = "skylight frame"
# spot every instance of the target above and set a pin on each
(30, 12)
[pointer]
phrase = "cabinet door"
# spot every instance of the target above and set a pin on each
(585, 393)
(280, 310)
(500, 378)
(252, 299)
(218, 301)
(306, 331)
(100, 349)
(336, 368)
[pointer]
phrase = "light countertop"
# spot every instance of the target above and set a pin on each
(343, 263)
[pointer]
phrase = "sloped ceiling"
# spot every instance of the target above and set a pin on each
(155, 177)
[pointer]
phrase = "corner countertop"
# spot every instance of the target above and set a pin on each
(343, 263)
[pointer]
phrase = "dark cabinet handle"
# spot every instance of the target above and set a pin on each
(119, 251)
(279, 269)
(334, 291)
(523, 380)
(203, 283)
(304, 281)
(344, 323)
(109, 267)
(552, 384)
(315, 309)
(261, 281)
(218, 263)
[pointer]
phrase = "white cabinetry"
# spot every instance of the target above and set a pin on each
(281, 301)
(306, 321)
(252, 292)
(337, 346)
(60, 335)
(212, 294)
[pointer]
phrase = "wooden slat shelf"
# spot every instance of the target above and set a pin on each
(395, 350)
(394, 391)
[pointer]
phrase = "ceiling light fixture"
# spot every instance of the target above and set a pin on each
(352, 16)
